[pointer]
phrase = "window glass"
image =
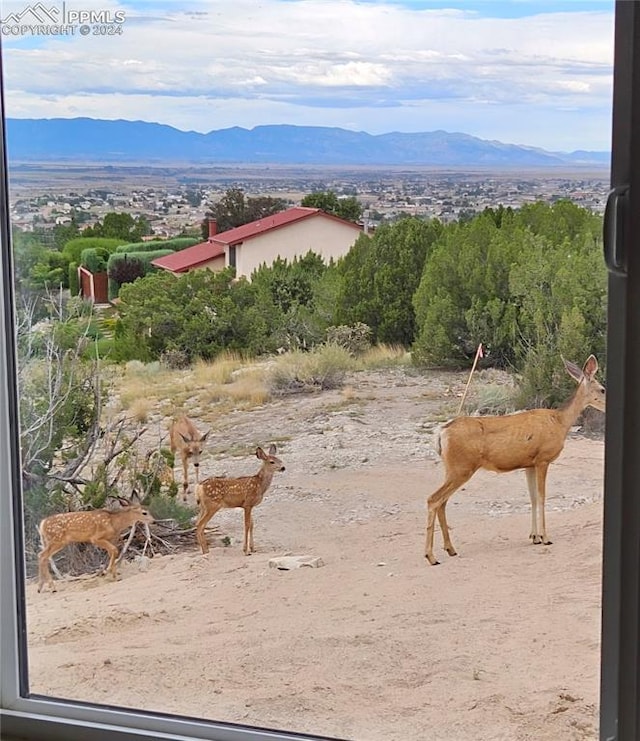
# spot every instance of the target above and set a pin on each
(281, 410)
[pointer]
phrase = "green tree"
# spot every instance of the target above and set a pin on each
(199, 314)
(529, 284)
(294, 295)
(379, 278)
(463, 296)
(120, 226)
(348, 208)
(62, 233)
(235, 209)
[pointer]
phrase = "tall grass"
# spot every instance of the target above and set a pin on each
(325, 367)
(232, 380)
(220, 370)
(384, 356)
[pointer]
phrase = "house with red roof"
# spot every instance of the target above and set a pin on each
(288, 234)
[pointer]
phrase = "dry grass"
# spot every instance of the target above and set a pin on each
(384, 356)
(220, 371)
(230, 380)
(249, 387)
(349, 393)
(140, 409)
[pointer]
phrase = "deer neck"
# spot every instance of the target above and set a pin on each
(120, 520)
(569, 412)
(263, 478)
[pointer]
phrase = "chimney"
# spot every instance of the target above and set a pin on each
(213, 228)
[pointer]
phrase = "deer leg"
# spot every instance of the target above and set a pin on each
(437, 500)
(248, 531)
(444, 528)
(113, 555)
(541, 478)
(201, 523)
(534, 535)
(44, 573)
(185, 477)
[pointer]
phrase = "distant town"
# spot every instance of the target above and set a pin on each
(175, 200)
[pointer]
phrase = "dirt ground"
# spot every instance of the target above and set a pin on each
(498, 644)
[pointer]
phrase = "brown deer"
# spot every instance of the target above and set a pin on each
(101, 527)
(186, 440)
(217, 493)
(531, 440)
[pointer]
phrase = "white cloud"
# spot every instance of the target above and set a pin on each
(371, 66)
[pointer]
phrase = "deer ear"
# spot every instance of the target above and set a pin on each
(272, 449)
(135, 497)
(260, 453)
(590, 366)
(185, 438)
(205, 436)
(573, 370)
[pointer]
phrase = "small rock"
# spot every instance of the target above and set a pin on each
(287, 563)
(142, 562)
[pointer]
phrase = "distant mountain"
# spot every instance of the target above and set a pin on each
(96, 140)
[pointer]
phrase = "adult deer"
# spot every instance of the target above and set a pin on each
(531, 440)
(186, 440)
(101, 527)
(217, 493)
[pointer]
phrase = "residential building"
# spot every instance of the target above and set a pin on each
(288, 234)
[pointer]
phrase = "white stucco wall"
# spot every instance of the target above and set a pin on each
(324, 236)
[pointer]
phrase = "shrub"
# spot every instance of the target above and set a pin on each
(126, 271)
(74, 283)
(74, 247)
(175, 359)
(94, 259)
(355, 339)
(175, 244)
(167, 507)
(323, 368)
(140, 266)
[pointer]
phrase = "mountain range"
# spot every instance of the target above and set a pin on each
(97, 140)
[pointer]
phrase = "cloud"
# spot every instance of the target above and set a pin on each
(322, 62)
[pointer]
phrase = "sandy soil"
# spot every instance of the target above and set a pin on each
(498, 644)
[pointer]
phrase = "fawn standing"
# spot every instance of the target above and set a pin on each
(186, 440)
(101, 527)
(531, 440)
(217, 493)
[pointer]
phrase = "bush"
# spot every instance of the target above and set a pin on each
(322, 369)
(74, 247)
(126, 271)
(355, 339)
(129, 266)
(74, 283)
(167, 507)
(175, 244)
(94, 259)
(175, 359)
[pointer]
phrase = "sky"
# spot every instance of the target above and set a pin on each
(535, 73)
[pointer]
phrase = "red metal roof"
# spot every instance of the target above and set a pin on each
(191, 257)
(253, 228)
